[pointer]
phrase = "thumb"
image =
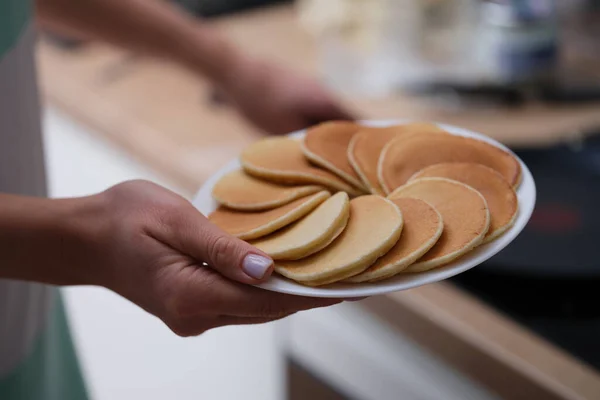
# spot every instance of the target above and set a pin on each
(194, 235)
(233, 257)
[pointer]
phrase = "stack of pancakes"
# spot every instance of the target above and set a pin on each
(360, 204)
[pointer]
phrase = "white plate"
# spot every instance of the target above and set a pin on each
(526, 194)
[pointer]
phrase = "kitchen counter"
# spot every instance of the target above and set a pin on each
(165, 117)
(486, 345)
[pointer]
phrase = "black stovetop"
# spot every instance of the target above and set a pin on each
(548, 279)
(564, 311)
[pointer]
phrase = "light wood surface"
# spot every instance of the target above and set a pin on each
(161, 115)
(488, 346)
(156, 111)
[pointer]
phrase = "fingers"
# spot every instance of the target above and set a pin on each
(233, 257)
(334, 112)
(267, 304)
(191, 233)
(225, 320)
(197, 295)
(198, 325)
(207, 292)
(284, 125)
(355, 298)
(326, 109)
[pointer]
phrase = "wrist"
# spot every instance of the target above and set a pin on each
(84, 233)
(47, 241)
(72, 236)
(207, 52)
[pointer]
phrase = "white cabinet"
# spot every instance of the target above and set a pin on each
(360, 356)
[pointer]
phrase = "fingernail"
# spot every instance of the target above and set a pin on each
(256, 266)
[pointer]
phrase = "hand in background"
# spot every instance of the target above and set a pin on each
(149, 245)
(278, 100)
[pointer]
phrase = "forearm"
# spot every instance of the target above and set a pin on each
(45, 240)
(147, 26)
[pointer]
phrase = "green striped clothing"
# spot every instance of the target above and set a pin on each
(37, 358)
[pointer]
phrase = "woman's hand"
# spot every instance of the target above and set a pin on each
(278, 100)
(154, 248)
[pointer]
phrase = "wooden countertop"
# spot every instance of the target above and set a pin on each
(489, 347)
(161, 115)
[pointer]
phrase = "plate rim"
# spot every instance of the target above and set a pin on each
(482, 253)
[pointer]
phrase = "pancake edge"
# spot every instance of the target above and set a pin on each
(300, 191)
(355, 267)
(380, 162)
(490, 236)
(393, 269)
(386, 188)
(437, 262)
(286, 219)
(317, 244)
(358, 169)
(300, 178)
(323, 163)
(501, 230)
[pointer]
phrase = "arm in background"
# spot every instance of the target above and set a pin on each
(145, 26)
(271, 97)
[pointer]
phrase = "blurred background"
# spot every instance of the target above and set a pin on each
(524, 325)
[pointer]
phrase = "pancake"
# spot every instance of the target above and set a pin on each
(366, 146)
(311, 233)
(363, 154)
(252, 225)
(463, 210)
(281, 160)
(402, 158)
(326, 145)
(374, 227)
(240, 191)
(423, 227)
(500, 196)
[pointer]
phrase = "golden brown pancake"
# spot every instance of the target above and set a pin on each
(363, 154)
(366, 146)
(326, 145)
(252, 225)
(423, 227)
(240, 191)
(374, 227)
(311, 233)
(500, 196)
(463, 210)
(281, 160)
(402, 158)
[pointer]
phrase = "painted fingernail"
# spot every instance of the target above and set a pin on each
(256, 266)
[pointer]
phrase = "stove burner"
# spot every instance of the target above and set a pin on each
(563, 311)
